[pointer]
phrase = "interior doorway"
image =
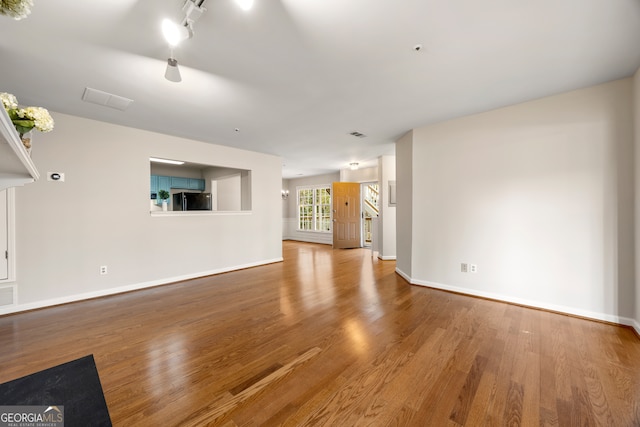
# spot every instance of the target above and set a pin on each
(369, 192)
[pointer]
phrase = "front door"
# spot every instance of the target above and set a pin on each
(346, 215)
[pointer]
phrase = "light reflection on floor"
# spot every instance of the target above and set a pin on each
(358, 337)
(166, 364)
(317, 289)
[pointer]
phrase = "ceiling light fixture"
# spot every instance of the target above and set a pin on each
(171, 162)
(353, 166)
(172, 73)
(193, 10)
(174, 34)
(245, 4)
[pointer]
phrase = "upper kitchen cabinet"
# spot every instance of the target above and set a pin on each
(196, 184)
(179, 182)
(16, 166)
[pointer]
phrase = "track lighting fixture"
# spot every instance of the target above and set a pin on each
(245, 4)
(173, 72)
(175, 33)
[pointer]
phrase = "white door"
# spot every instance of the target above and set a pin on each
(4, 236)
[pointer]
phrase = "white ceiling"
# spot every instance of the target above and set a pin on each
(296, 77)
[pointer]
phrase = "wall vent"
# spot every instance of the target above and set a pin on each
(99, 97)
(358, 134)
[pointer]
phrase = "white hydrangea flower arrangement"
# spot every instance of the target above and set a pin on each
(25, 119)
(16, 9)
(9, 101)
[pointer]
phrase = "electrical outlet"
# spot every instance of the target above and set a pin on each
(103, 269)
(473, 268)
(464, 267)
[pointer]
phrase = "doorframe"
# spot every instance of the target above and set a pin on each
(363, 186)
(11, 237)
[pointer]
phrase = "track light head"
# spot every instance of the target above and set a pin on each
(174, 33)
(173, 72)
(245, 4)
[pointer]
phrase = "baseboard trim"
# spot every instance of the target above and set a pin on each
(636, 327)
(308, 240)
(128, 288)
(585, 314)
(387, 258)
(404, 275)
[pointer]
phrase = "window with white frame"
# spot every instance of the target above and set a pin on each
(314, 208)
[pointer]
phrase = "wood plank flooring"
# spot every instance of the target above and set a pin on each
(332, 338)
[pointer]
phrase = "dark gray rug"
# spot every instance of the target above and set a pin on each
(74, 385)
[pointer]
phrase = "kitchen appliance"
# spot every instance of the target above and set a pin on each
(192, 201)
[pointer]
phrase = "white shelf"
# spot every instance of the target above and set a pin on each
(16, 166)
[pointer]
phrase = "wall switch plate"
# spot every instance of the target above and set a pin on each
(103, 269)
(473, 268)
(464, 267)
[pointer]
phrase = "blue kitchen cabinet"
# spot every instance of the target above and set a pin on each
(154, 185)
(162, 182)
(196, 184)
(178, 182)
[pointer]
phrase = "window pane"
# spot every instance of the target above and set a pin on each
(322, 209)
(314, 209)
(305, 209)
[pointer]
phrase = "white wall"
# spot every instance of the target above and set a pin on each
(359, 175)
(230, 188)
(539, 195)
(285, 203)
(229, 193)
(246, 195)
(404, 205)
(290, 224)
(100, 215)
(636, 117)
(176, 170)
(387, 217)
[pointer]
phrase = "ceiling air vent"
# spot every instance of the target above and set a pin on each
(107, 99)
(358, 134)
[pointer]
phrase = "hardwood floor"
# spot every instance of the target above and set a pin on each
(332, 338)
